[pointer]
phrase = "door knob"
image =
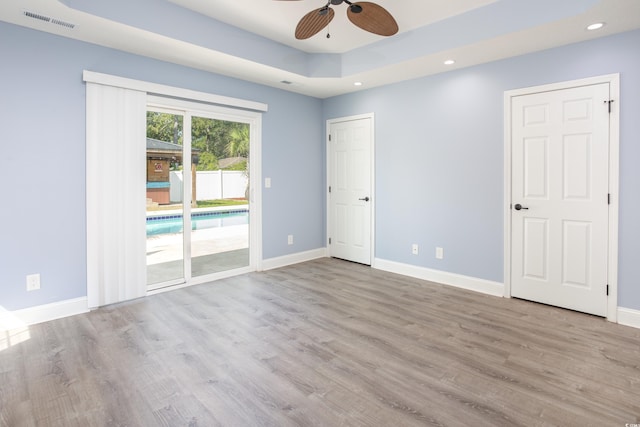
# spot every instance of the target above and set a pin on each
(366, 199)
(518, 207)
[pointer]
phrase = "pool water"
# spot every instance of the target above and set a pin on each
(199, 221)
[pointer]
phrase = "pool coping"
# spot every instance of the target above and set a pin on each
(155, 215)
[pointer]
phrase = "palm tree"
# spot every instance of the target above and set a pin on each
(238, 146)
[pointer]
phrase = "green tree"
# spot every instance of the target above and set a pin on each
(240, 166)
(238, 146)
(209, 135)
(211, 139)
(164, 127)
(238, 142)
(207, 162)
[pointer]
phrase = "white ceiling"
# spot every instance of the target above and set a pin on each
(469, 31)
(283, 17)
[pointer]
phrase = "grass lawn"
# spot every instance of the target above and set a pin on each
(220, 202)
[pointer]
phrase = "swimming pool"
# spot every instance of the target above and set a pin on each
(164, 224)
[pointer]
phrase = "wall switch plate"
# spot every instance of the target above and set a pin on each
(267, 183)
(414, 249)
(290, 239)
(33, 282)
(439, 253)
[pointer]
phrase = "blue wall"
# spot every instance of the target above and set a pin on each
(439, 157)
(439, 151)
(42, 108)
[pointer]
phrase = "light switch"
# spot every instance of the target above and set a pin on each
(267, 183)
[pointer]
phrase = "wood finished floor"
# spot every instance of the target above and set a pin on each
(323, 343)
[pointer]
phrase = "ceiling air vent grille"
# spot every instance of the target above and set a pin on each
(48, 19)
(36, 16)
(63, 23)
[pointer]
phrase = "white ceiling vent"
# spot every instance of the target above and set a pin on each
(48, 19)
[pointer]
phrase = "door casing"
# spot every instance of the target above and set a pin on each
(614, 142)
(329, 123)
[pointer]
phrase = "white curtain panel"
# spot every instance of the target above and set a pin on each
(116, 170)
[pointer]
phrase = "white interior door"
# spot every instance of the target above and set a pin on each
(560, 160)
(350, 204)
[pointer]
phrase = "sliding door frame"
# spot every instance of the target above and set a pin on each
(190, 109)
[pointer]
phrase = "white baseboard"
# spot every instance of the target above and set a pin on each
(10, 320)
(42, 313)
(629, 317)
(443, 277)
(282, 261)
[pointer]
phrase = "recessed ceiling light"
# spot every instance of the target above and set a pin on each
(357, 84)
(595, 26)
(449, 62)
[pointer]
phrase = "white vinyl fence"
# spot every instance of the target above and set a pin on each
(211, 185)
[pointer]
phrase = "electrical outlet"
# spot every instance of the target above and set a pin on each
(33, 282)
(290, 239)
(414, 249)
(439, 253)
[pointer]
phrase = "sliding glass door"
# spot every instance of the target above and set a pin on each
(198, 195)
(220, 217)
(165, 210)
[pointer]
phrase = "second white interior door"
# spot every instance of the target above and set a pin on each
(350, 197)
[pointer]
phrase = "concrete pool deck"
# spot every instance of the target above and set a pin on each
(200, 266)
(212, 250)
(168, 247)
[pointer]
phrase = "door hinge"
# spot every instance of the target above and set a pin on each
(609, 102)
(329, 137)
(329, 240)
(609, 198)
(607, 290)
(329, 189)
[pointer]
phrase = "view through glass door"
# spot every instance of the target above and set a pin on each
(197, 179)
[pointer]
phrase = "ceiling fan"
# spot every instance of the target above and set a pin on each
(369, 16)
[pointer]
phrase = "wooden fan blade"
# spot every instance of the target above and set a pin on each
(313, 22)
(373, 18)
